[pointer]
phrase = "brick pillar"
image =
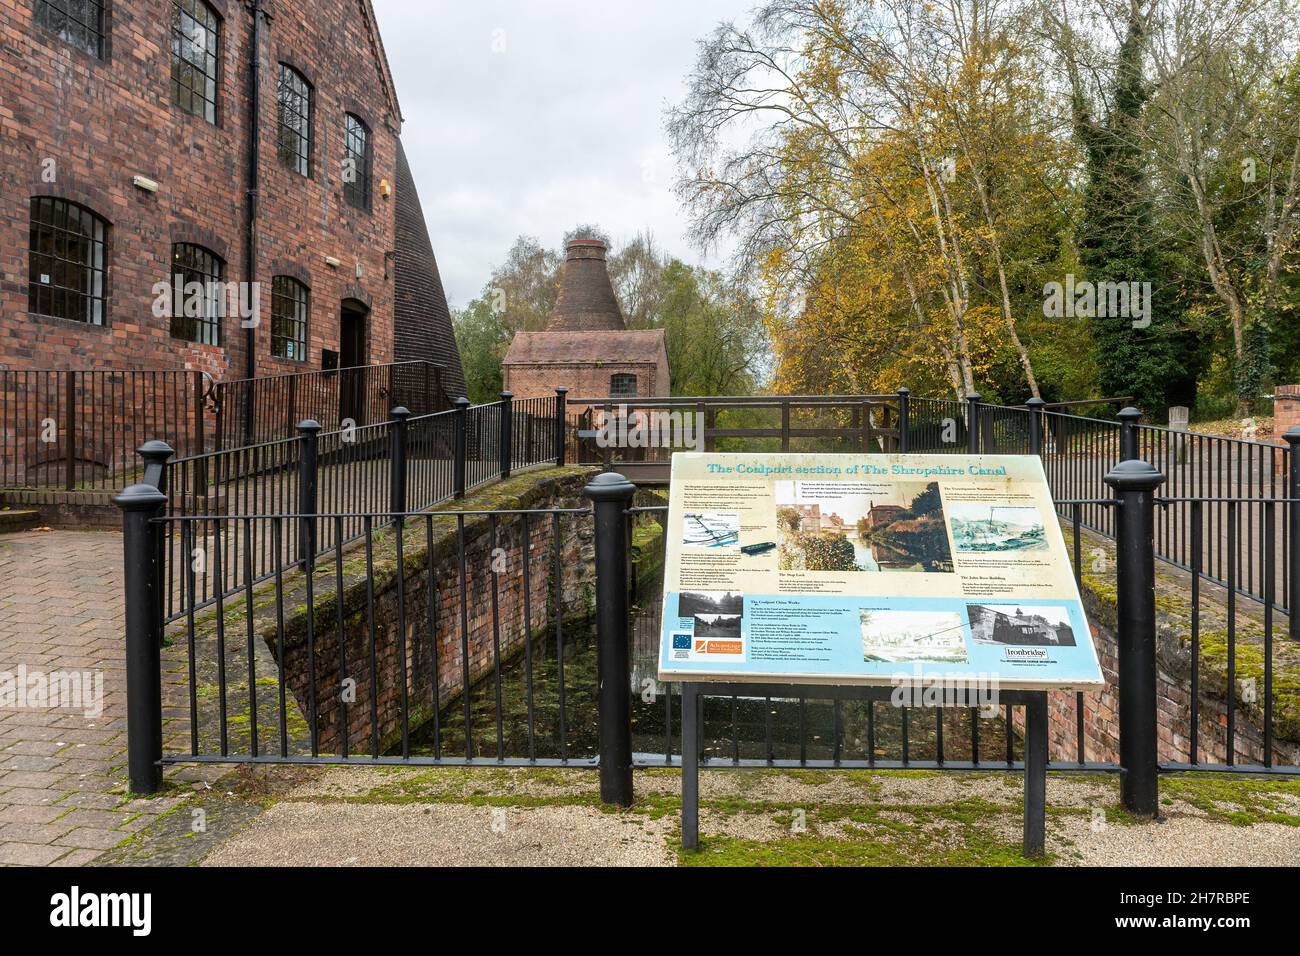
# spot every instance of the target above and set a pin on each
(1286, 415)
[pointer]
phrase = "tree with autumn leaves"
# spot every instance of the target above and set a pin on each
(904, 178)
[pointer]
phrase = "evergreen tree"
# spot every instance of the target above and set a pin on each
(1117, 242)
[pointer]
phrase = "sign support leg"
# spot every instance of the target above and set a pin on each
(1035, 837)
(690, 766)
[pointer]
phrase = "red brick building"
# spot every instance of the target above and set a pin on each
(231, 141)
(586, 346)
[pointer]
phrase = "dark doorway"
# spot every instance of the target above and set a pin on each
(352, 358)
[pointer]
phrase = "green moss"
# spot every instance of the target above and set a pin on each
(1234, 799)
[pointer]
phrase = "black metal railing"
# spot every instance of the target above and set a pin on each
(403, 463)
(467, 637)
(1078, 452)
(423, 654)
(80, 429)
(269, 408)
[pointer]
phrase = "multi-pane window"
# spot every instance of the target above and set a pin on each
(79, 22)
(295, 120)
(66, 261)
(195, 58)
(196, 312)
(622, 386)
(290, 306)
(356, 162)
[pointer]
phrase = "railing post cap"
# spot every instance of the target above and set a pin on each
(309, 426)
(155, 449)
(974, 397)
(461, 403)
(561, 390)
(507, 395)
(1292, 435)
(904, 391)
(401, 413)
(1134, 475)
(1035, 403)
(1128, 414)
(609, 486)
(140, 498)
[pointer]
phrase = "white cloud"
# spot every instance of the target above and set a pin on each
(561, 123)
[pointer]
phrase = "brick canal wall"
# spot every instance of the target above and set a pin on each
(1173, 692)
(431, 601)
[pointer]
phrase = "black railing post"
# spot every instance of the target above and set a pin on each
(198, 443)
(1128, 433)
(458, 459)
(142, 582)
(156, 455)
(397, 461)
(70, 430)
(1035, 406)
(308, 438)
(1292, 438)
(506, 439)
(611, 495)
(904, 419)
(561, 410)
(1135, 483)
(973, 422)
(1035, 813)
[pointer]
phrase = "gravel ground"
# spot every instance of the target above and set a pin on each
(313, 834)
(417, 817)
(1179, 841)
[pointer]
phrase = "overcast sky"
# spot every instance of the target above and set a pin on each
(532, 116)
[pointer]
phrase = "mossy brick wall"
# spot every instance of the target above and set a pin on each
(1174, 703)
(429, 603)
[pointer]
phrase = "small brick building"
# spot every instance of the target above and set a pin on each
(586, 346)
(126, 158)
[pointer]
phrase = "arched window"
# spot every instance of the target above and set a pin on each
(196, 57)
(66, 268)
(294, 94)
(290, 308)
(356, 161)
(198, 307)
(78, 22)
(622, 385)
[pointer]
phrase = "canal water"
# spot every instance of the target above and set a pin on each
(747, 727)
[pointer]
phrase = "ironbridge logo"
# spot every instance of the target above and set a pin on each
(626, 428)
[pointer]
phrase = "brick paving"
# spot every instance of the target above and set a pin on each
(63, 789)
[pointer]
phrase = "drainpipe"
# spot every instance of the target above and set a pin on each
(254, 181)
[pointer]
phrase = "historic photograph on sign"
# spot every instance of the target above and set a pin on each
(906, 637)
(714, 613)
(993, 527)
(1022, 626)
(898, 528)
(710, 529)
